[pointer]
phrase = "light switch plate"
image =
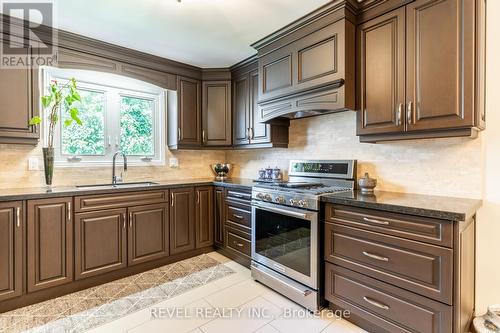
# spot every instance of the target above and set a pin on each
(33, 164)
(173, 162)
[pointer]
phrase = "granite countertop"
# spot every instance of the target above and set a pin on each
(62, 191)
(440, 207)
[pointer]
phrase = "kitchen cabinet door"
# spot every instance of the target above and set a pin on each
(440, 64)
(18, 104)
(219, 216)
(50, 243)
(204, 216)
(189, 112)
(182, 220)
(100, 242)
(259, 132)
(148, 233)
(381, 79)
(216, 113)
(11, 249)
(241, 110)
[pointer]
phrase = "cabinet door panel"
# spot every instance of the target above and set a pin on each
(241, 110)
(11, 250)
(217, 121)
(219, 216)
(189, 94)
(148, 233)
(182, 220)
(204, 217)
(100, 242)
(50, 243)
(260, 132)
(17, 93)
(436, 86)
(381, 45)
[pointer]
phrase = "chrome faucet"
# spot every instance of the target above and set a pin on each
(118, 179)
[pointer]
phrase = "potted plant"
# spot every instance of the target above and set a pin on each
(52, 102)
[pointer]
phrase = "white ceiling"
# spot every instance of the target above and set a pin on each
(204, 33)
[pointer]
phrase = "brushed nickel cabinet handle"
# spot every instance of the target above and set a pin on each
(366, 219)
(398, 114)
(69, 211)
(178, 133)
(130, 220)
(238, 216)
(409, 113)
(172, 199)
(252, 134)
(203, 136)
(18, 217)
(374, 256)
(375, 303)
(124, 223)
(198, 196)
(237, 244)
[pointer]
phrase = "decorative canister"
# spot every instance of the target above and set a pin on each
(367, 184)
(490, 322)
(276, 173)
(262, 174)
(269, 173)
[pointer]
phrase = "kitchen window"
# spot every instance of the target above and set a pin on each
(117, 113)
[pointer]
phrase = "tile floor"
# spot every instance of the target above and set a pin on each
(226, 300)
(215, 306)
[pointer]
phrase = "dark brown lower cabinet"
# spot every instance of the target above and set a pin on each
(100, 242)
(11, 249)
(50, 243)
(147, 233)
(204, 216)
(219, 216)
(182, 220)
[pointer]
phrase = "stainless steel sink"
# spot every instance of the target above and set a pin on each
(118, 185)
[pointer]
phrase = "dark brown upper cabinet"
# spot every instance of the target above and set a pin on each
(184, 115)
(205, 216)
(100, 242)
(216, 113)
(308, 67)
(50, 243)
(422, 72)
(248, 131)
(11, 249)
(148, 231)
(18, 104)
(182, 220)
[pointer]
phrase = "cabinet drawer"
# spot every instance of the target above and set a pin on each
(405, 310)
(106, 201)
(237, 194)
(433, 231)
(418, 267)
(238, 244)
(238, 214)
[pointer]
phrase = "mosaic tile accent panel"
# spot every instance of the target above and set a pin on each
(89, 308)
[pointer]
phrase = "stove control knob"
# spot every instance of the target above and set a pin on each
(294, 202)
(260, 196)
(303, 203)
(280, 199)
(268, 197)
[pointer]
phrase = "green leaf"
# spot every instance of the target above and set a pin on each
(46, 100)
(69, 100)
(68, 122)
(55, 118)
(74, 115)
(35, 121)
(76, 95)
(53, 88)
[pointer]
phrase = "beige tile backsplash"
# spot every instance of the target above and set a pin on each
(442, 166)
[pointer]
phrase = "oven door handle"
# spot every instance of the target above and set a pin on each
(304, 216)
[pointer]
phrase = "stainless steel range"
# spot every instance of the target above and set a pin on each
(285, 228)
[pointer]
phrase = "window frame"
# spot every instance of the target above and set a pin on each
(114, 88)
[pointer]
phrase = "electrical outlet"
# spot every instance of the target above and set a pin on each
(33, 164)
(173, 162)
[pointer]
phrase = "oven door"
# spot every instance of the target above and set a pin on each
(285, 239)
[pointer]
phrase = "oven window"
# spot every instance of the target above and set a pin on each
(283, 239)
